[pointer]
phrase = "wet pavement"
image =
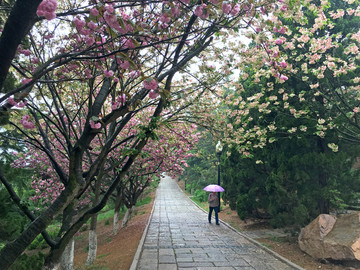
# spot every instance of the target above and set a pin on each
(179, 236)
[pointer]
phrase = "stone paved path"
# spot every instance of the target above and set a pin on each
(180, 237)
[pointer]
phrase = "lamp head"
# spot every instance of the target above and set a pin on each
(219, 147)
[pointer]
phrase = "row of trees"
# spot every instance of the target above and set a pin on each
(294, 112)
(94, 88)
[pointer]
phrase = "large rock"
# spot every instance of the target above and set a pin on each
(335, 238)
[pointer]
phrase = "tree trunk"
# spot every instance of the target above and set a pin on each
(116, 212)
(17, 26)
(127, 216)
(67, 258)
(54, 266)
(116, 223)
(13, 250)
(92, 246)
(92, 233)
(324, 203)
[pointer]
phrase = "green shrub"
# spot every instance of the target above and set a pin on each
(38, 243)
(105, 215)
(243, 206)
(25, 262)
(83, 228)
(201, 195)
(144, 201)
(301, 215)
(281, 220)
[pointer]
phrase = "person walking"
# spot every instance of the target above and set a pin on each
(213, 200)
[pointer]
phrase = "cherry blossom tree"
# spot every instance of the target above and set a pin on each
(299, 79)
(309, 60)
(86, 69)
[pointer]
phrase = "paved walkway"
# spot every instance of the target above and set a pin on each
(180, 237)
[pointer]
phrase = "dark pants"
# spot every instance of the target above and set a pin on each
(216, 214)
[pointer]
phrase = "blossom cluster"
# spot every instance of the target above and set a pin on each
(47, 9)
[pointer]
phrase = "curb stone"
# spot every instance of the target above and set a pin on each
(142, 240)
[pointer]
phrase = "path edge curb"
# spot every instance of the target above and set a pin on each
(139, 249)
(278, 256)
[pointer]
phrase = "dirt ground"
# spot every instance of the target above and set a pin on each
(114, 252)
(117, 252)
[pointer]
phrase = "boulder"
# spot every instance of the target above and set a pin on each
(333, 238)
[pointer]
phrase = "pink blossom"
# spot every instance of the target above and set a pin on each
(79, 24)
(125, 65)
(235, 10)
(331, 65)
(175, 12)
(92, 25)
(111, 20)
(47, 9)
(108, 73)
(185, 1)
(279, 41)
(26, 81)
(153, 94)
(116, 80)
(226, 8)
(356, 110)
(21, 104)
(11, 101)
(49, 36)
(114, 105)
(89, 41)
(282, 30)
(129, 44)
(25, 121)
(283, 64)
(134, 74)
(283, 77)
(202, 12)
(25, 52)
(150, 84)
(94, 12)
(122, 99)
(164, 18)
(88, 73)
(109, 8)
(95, 125)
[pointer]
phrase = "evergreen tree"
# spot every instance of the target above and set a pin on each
(294, 175)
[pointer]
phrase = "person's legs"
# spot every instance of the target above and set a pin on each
(216, 215)
(210, 212)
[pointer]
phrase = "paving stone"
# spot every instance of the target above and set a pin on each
(194, 264)
(166, 259)
(167, 251)
(167, 267)
(184, 259)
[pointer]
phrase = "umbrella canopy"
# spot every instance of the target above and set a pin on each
(214, 188)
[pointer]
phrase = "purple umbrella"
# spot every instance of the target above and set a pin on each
(214, 188)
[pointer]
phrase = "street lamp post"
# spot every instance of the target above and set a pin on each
(219, 148)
